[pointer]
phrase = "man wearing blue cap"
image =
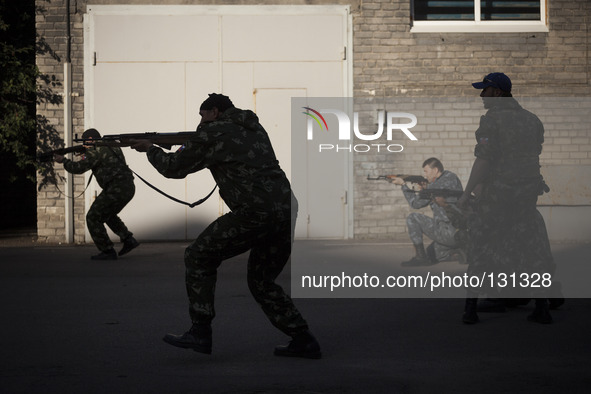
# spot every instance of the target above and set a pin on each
(499, 81)
(508, 236)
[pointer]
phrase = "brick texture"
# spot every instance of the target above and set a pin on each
(388, 61)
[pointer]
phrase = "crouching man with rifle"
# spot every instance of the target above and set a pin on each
(233, 145)
(108, 166)
(441, 184)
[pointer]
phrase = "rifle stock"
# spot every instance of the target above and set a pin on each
(445, 193)
(165, 140)
(48, 156)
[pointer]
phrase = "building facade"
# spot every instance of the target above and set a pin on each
(366, 49)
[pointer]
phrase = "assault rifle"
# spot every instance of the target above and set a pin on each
(165, 140)
(48, 156)
(407, 178)
(445, 193)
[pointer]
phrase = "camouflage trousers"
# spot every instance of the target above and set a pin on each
(269, 243)
(104, 210)
(441, 233)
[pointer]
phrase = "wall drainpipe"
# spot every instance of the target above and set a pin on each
(69, 178)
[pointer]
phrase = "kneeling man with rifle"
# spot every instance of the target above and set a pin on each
(441, 187)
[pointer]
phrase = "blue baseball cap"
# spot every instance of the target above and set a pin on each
(497, 80)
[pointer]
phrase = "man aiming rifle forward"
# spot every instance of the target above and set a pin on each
(438, 227)
(109, 168)
(233, 145)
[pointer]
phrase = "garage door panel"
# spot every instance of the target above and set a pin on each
(133, 97)
(147, 38)
(325, 178)
(272, 38)
(200, 80)
(238, 83)
(322, 79)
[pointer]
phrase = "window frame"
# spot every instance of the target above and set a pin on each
(480, 26)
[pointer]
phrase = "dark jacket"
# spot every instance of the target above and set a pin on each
(107, 164)
(238, 152)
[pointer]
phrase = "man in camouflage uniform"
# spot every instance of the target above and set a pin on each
(233, 145)
(438, 228)
(507, 234)
(115, 178)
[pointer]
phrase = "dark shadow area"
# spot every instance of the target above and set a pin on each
(22, 88)
(18, 208)
(74, 325)
(18, 199)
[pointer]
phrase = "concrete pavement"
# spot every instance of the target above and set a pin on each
(72, 325)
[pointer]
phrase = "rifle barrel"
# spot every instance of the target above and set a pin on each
(377, 178)
(418, 179)
(164, 139)
(48, 156)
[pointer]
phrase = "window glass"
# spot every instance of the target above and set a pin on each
(490, 10)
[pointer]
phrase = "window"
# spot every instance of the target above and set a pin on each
(478, 16)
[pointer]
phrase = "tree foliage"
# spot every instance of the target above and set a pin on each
(22, 88)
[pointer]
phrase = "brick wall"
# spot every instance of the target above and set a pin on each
(51, 25)
(388, 61)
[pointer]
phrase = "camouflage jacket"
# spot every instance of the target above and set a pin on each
(510, 138)
(238, 152)
(447, 180)
(107, 164)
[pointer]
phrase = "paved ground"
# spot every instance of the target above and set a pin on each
(71, 325)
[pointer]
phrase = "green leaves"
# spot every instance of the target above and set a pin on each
(22, 88)
(17, 89)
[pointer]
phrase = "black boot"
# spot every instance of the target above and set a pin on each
(541, 313)
(420, 259)
(109, 254)
(470, 316)
(128, 244)
(197, 338)
(302, 345)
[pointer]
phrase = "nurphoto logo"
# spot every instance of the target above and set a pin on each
(394, 121)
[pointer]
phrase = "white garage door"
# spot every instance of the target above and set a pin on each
(148, 68)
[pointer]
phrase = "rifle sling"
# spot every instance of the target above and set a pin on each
(79, 195)
(190, 205)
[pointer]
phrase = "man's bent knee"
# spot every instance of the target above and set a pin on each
(412, 218)
(93, 217)
(198, 261)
